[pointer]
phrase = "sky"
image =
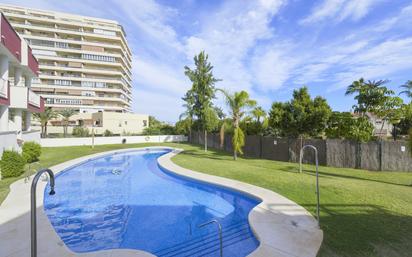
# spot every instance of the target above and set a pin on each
(266, 47)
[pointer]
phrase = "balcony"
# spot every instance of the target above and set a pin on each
(9, 38)
(34, 99)
(4, 92)
(24, 98)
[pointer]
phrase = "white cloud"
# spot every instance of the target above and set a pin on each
(229, 35)
(340, 10)
(271, 69)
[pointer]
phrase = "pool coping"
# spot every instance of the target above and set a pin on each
(278, 223)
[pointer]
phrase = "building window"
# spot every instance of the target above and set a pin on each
(144, 123)
(95, 57)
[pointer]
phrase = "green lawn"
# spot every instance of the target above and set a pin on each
(362, 213)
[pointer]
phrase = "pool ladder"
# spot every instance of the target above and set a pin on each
(317, 176)
(220, 233)
(33, 207)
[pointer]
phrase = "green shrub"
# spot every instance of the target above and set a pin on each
(11, 164)
(80, 132)
(107, 133)
(31, 151)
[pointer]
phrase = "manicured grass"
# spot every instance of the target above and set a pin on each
(362, 213)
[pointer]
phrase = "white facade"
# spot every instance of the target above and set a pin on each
(17, 100)
(84, 62)
(116, 123)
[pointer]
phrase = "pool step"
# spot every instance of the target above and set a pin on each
(208, 245)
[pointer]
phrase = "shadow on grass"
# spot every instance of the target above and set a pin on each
(218, 154)
(363, 230)
(326, 174)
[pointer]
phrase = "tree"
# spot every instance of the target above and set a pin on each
(211, 121)
(44, 118)
(189, 112)
(369, 95)
(238, 102)
(389, 110)
(202, 91)
(258, 113)
(407, 89)
(301, 116)
(66, 114)
(361, 130)
(343, 125)
(157, 127)
(339, 125)
(405, 123)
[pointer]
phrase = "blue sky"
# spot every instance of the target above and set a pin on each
(267, 47)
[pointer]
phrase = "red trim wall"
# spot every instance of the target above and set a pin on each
(9, 38)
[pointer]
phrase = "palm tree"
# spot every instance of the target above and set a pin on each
(237, 103)
(66, 114)
(44, 118)
(369, 94)
(258, 113)
(408, 89)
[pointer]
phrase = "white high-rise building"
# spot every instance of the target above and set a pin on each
(84, 62)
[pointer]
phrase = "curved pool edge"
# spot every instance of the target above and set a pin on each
(283, 228)
(279, 224)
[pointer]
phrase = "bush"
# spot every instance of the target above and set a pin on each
(11, 164)
(80, 132)
(31, 151)
(107, 133)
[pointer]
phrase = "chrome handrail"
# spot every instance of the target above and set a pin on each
(317, 176)
(33, 207)
(220, 233)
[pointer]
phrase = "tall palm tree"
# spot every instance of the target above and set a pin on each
(408, 89)
(238, 102)
(44, 118)
(66, 114)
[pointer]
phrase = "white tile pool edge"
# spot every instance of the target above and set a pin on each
(283, 228)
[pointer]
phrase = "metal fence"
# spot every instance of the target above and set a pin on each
(375, 155)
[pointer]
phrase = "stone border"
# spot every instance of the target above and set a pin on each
(283, 228)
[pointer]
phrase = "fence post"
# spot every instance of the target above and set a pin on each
(260, 146)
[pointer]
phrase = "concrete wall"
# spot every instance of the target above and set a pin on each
(8, 141)
(385, 155)
(56, 142)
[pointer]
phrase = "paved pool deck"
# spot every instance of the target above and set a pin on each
(283, 228)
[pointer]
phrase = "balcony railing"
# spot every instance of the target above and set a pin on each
(34, 99)
(9, 38)
(4, 88)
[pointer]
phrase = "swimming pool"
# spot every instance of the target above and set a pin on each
(127, 201)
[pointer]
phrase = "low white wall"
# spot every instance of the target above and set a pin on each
(32, 136)
(8, 141)
(73, 141)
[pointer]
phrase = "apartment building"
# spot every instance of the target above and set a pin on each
(18, 67)
(84, 62)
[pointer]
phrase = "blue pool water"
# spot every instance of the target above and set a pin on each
(126, 201)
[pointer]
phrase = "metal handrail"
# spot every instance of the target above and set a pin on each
(33, 207)
(317, 175)
(220, 233)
